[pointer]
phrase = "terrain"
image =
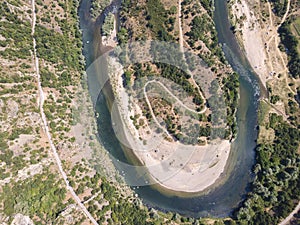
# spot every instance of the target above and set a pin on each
(47, 126)
(187, 106)
(53, 169)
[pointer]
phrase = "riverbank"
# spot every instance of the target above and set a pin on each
(199, 172)
(257, 36)
(249, 34)
(170, 164)
(256, 25)
(220, 198)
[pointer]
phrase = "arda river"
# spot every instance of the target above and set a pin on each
(221, 200)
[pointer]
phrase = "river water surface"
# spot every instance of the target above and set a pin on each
(222, 200)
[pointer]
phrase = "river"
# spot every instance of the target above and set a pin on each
(222, 200)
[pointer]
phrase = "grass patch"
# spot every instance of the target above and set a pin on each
(263, 110)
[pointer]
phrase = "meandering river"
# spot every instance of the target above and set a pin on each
(221, 200)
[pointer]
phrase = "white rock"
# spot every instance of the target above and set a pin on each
(20, 219)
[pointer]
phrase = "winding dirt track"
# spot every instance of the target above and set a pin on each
(170, 93)
(45, 123)
(276, 37)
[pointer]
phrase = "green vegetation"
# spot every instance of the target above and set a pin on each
(110, 205)
(63, 53)
(16, 33)
(42, 197)
(122, 36)
(39, 197)
(230, 89)
(290, 43)
(275, 188)
(98, 6)
(202, 28)
(169, 71)
(127, 78)
(108, 24)
(296, 26)
(122, 210)
(57, 48)
(49, 79)
(262, 111)
(274, 99)
(200, 23)
(207, 5)
(279, 6)
(158, 20)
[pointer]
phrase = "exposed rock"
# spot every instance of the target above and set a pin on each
(12, 108)
(20, 219)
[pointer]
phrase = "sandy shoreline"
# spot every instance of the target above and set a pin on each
(251, 40)
(200, 170)
(258, 39)
(170, 165)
